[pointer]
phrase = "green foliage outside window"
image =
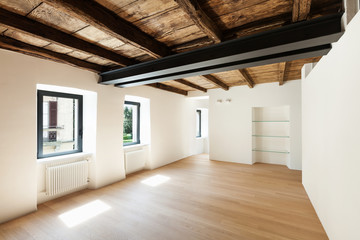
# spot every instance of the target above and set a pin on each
(128, 123)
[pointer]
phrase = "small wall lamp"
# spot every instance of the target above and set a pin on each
(227, 100)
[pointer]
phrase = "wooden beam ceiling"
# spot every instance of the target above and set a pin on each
(248, 79)
(168, 88)
(216, 81)
(109, 31)
(21, 47)
(107, 21)
(201, 19)
(260, 25)
(192, 45)
(296, 41)
(53, 35)
(301, 10)
(190, 84)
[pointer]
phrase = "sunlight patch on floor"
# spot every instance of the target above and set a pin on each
(155, 180)
(81, 214)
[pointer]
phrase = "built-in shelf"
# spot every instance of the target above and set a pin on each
(273, 121)
(271, 136)
(272, 151)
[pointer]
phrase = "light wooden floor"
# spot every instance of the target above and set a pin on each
(202, 200)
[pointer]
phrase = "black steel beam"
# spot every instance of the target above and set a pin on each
(282, 57)
(300, 40)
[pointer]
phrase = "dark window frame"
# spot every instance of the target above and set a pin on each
(198, 113)
(40, 98)
(138, 123)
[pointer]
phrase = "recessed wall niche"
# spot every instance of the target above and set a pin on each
(271, 135)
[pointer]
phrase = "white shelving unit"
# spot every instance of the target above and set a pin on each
(271, 135)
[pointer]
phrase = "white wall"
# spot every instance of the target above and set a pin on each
(170, 127)
(172, 120)
(230, 124)
(331, 129)
(18, 179)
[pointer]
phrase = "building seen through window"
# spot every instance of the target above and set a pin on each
(59, 123)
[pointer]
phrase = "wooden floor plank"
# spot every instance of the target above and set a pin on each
(202, 199)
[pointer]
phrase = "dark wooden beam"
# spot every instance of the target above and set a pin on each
(192, 45)
(168, 88)
(282, 70)
(216, 81)
(295, 41)
(190, 84)
(107, 21)
(257, 26)
(193, 9)
(301, 10)
(21, 47)
(43, 31)
(248, 79)
(327, 8)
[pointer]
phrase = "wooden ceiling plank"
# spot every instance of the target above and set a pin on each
(301, 10)
(248, 79)
(190, 84)
(21, 47)
(282, 69)
(45, 32)
(201, 19)
(260, 25)
(216, 81)
(107, 21)
(168, 88)
(188, 46)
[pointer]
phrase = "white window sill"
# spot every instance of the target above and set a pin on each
(198, 138)
(64, 157)
(135, 146)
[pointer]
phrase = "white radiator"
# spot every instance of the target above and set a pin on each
(63, 178)
(135, 161)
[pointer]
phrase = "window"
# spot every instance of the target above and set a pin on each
(198, 123)
(131, 132)
(59, 123)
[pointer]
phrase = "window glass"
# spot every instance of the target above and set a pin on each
(59, 123)
(131, 130)
(198, 123)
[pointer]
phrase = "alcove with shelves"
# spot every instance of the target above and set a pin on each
(271, 135)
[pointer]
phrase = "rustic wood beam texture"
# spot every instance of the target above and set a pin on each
(301, 10)
(248, 79)
(188, 46)
(193, 9)
(327, 8)
(296, 41)
(282, 69)
(107, 21)
(168, 88)
(216, 81)
(21, 47)
(190, 84)
(260, 25)
(43, 31)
